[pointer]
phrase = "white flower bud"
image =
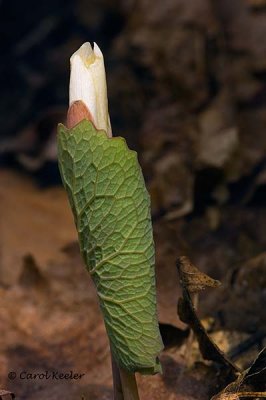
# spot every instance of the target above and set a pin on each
(88, 84)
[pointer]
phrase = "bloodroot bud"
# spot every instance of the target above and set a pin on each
(88, 83)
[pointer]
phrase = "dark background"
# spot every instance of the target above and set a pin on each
(184, 74)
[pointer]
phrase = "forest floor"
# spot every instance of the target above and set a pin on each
(186, 88)
(49, 314)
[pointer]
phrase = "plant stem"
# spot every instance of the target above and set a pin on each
(129, 385)
(117, 384)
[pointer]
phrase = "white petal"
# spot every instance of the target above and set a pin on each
(81, 85)
(88, 83)
(98, 71)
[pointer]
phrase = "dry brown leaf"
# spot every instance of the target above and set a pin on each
(192, 281)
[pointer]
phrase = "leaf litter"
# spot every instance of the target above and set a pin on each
(246, 384)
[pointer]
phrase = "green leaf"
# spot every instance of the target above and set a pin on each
(111, 208)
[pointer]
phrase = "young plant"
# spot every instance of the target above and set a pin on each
(111, 208)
